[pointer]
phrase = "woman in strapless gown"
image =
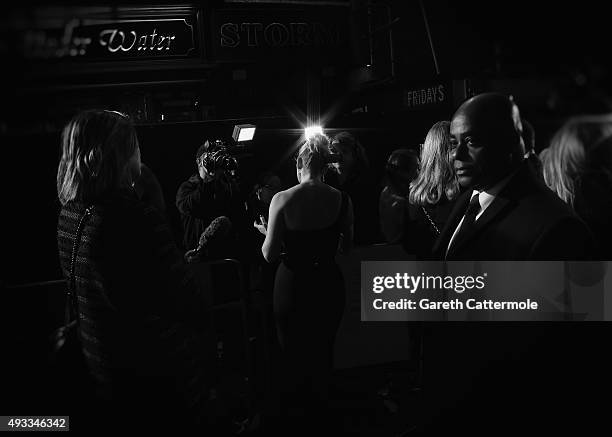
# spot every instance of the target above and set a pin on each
(308, 223)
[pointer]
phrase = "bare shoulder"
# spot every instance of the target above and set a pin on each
(294, 192)
(281, 198)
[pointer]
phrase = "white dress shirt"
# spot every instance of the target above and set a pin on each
(485, 198)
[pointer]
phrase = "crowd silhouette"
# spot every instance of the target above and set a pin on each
(476, 189)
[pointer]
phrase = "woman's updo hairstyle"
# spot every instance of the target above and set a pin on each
(314, 155)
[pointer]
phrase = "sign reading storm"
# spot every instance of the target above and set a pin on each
(301, 36)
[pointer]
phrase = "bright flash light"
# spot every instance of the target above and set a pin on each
(246, 134)
(243, 132)
(311, 131)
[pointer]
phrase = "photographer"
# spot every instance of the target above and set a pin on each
(211, 193)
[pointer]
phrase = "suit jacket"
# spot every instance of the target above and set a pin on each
(526, 221)
(511, 373)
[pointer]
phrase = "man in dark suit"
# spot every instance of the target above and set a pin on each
(506, 377)
(506, 212)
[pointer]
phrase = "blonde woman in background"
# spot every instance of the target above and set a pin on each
(432, 193)
(577, 166)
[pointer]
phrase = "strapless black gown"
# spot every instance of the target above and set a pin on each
(309, 297)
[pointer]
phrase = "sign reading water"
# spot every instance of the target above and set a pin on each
(112, 39)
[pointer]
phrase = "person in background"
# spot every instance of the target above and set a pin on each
(352, 175)
(530, 154)
(400, 170)
(432, 193)
(211, 193)
(262, 273)
(149, 190)
(577, 165)
(143, 323)
(312, 220)
(259, 200)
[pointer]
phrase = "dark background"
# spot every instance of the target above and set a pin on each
(551, 59)
(554, 59)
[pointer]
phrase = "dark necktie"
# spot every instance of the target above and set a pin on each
(469, 221)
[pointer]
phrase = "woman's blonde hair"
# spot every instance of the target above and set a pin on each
(314, 154)
(566, 160)
(96, 148)
(436, 177)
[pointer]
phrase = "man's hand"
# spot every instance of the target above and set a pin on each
(204, 174)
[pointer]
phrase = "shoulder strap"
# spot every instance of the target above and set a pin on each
(431, 222)
(71, 297)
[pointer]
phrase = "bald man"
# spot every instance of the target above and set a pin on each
(506, 213)
(511, 374)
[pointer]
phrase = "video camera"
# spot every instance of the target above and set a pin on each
(217, 157)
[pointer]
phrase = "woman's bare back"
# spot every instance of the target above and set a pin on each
(311, 206)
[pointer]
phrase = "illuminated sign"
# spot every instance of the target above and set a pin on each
(115, 40)
(108, 39)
